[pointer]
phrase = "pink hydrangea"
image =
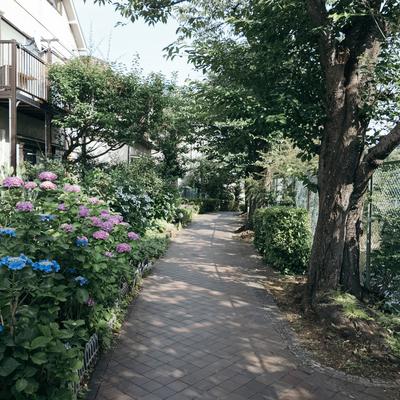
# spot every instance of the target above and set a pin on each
(47, 176)
(104, 214)
(109, 254)
(123, 248)
(67, 228)
(30, 185)
(72, 188)
(96, 221)
(90, 302)
(101, 235)
(83, 211)
(133, 236)
(48, 185)
(62, 207)
(94, 200)
(13, 182)
(24, 206)
(116, 219)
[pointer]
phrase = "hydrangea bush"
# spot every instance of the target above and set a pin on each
(63, 258)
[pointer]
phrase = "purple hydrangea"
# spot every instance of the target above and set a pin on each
(13, 182)
(109, 254)
(107, 226)
(72, 188)
(47, 176)
(101, 235)
(104, 214)
(123, 248)
(67, 228)
(62, 207)
(24, 206)
(133, 236)
(30, 185)
(96, 221)
(116, 219)
(83, 211)
(48, 185)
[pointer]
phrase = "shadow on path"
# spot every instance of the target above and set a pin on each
(199, 331)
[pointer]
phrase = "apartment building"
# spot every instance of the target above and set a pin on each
(33, 34)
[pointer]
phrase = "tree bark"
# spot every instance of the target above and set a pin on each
(343, 169)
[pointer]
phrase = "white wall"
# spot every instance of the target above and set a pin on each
(39, 19)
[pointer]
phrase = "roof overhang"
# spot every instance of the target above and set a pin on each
(74, 24)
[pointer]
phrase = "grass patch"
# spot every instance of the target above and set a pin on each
(351, 306)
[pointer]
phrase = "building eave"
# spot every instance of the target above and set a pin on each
(74, 24)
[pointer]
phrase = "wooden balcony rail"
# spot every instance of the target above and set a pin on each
(22, 68)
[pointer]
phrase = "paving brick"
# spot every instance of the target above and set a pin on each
(198, 331)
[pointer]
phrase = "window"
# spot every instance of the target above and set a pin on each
(57, 4)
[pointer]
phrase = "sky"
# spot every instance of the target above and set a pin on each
(122, 43)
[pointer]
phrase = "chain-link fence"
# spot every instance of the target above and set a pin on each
(380, 242)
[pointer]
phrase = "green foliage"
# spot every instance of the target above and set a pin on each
(94, 102)
(55, 281)
(283, 236)
(136, 190)
(351, 306)
(185, 214)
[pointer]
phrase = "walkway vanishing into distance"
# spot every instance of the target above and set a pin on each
(204, 328)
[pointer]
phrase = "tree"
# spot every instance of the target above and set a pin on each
(175, 129)
(326, 65)
(99, 109)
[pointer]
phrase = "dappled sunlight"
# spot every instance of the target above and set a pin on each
(200, 324)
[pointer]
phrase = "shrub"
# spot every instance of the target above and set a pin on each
(283, 237)
(63, 257)
(185, 214)
(135, 190)
(209, 205)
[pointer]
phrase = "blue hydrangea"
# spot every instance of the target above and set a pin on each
(72, 270)
(82, 241)
(46, 266)
(47, 217)
(15, 263)
(81, 280)
(8, 232)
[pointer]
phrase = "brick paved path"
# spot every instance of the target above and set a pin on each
(199, 331)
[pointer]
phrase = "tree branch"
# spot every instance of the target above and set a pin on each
(317, 12)
(382, 149)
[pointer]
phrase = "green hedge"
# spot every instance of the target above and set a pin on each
(283, 236)
(185, 214)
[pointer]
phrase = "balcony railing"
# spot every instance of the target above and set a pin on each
(23, 69)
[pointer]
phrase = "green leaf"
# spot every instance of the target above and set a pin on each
(40, 341)
(21, 384)
(8, 366)
(82, 295)
(39, 358)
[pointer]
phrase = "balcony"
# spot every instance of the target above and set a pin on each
(22, 73)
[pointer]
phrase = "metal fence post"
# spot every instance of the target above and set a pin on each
(369, 236)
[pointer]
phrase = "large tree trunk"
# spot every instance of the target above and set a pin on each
(344, 166)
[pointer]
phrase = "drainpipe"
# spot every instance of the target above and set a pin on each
(13, 108)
